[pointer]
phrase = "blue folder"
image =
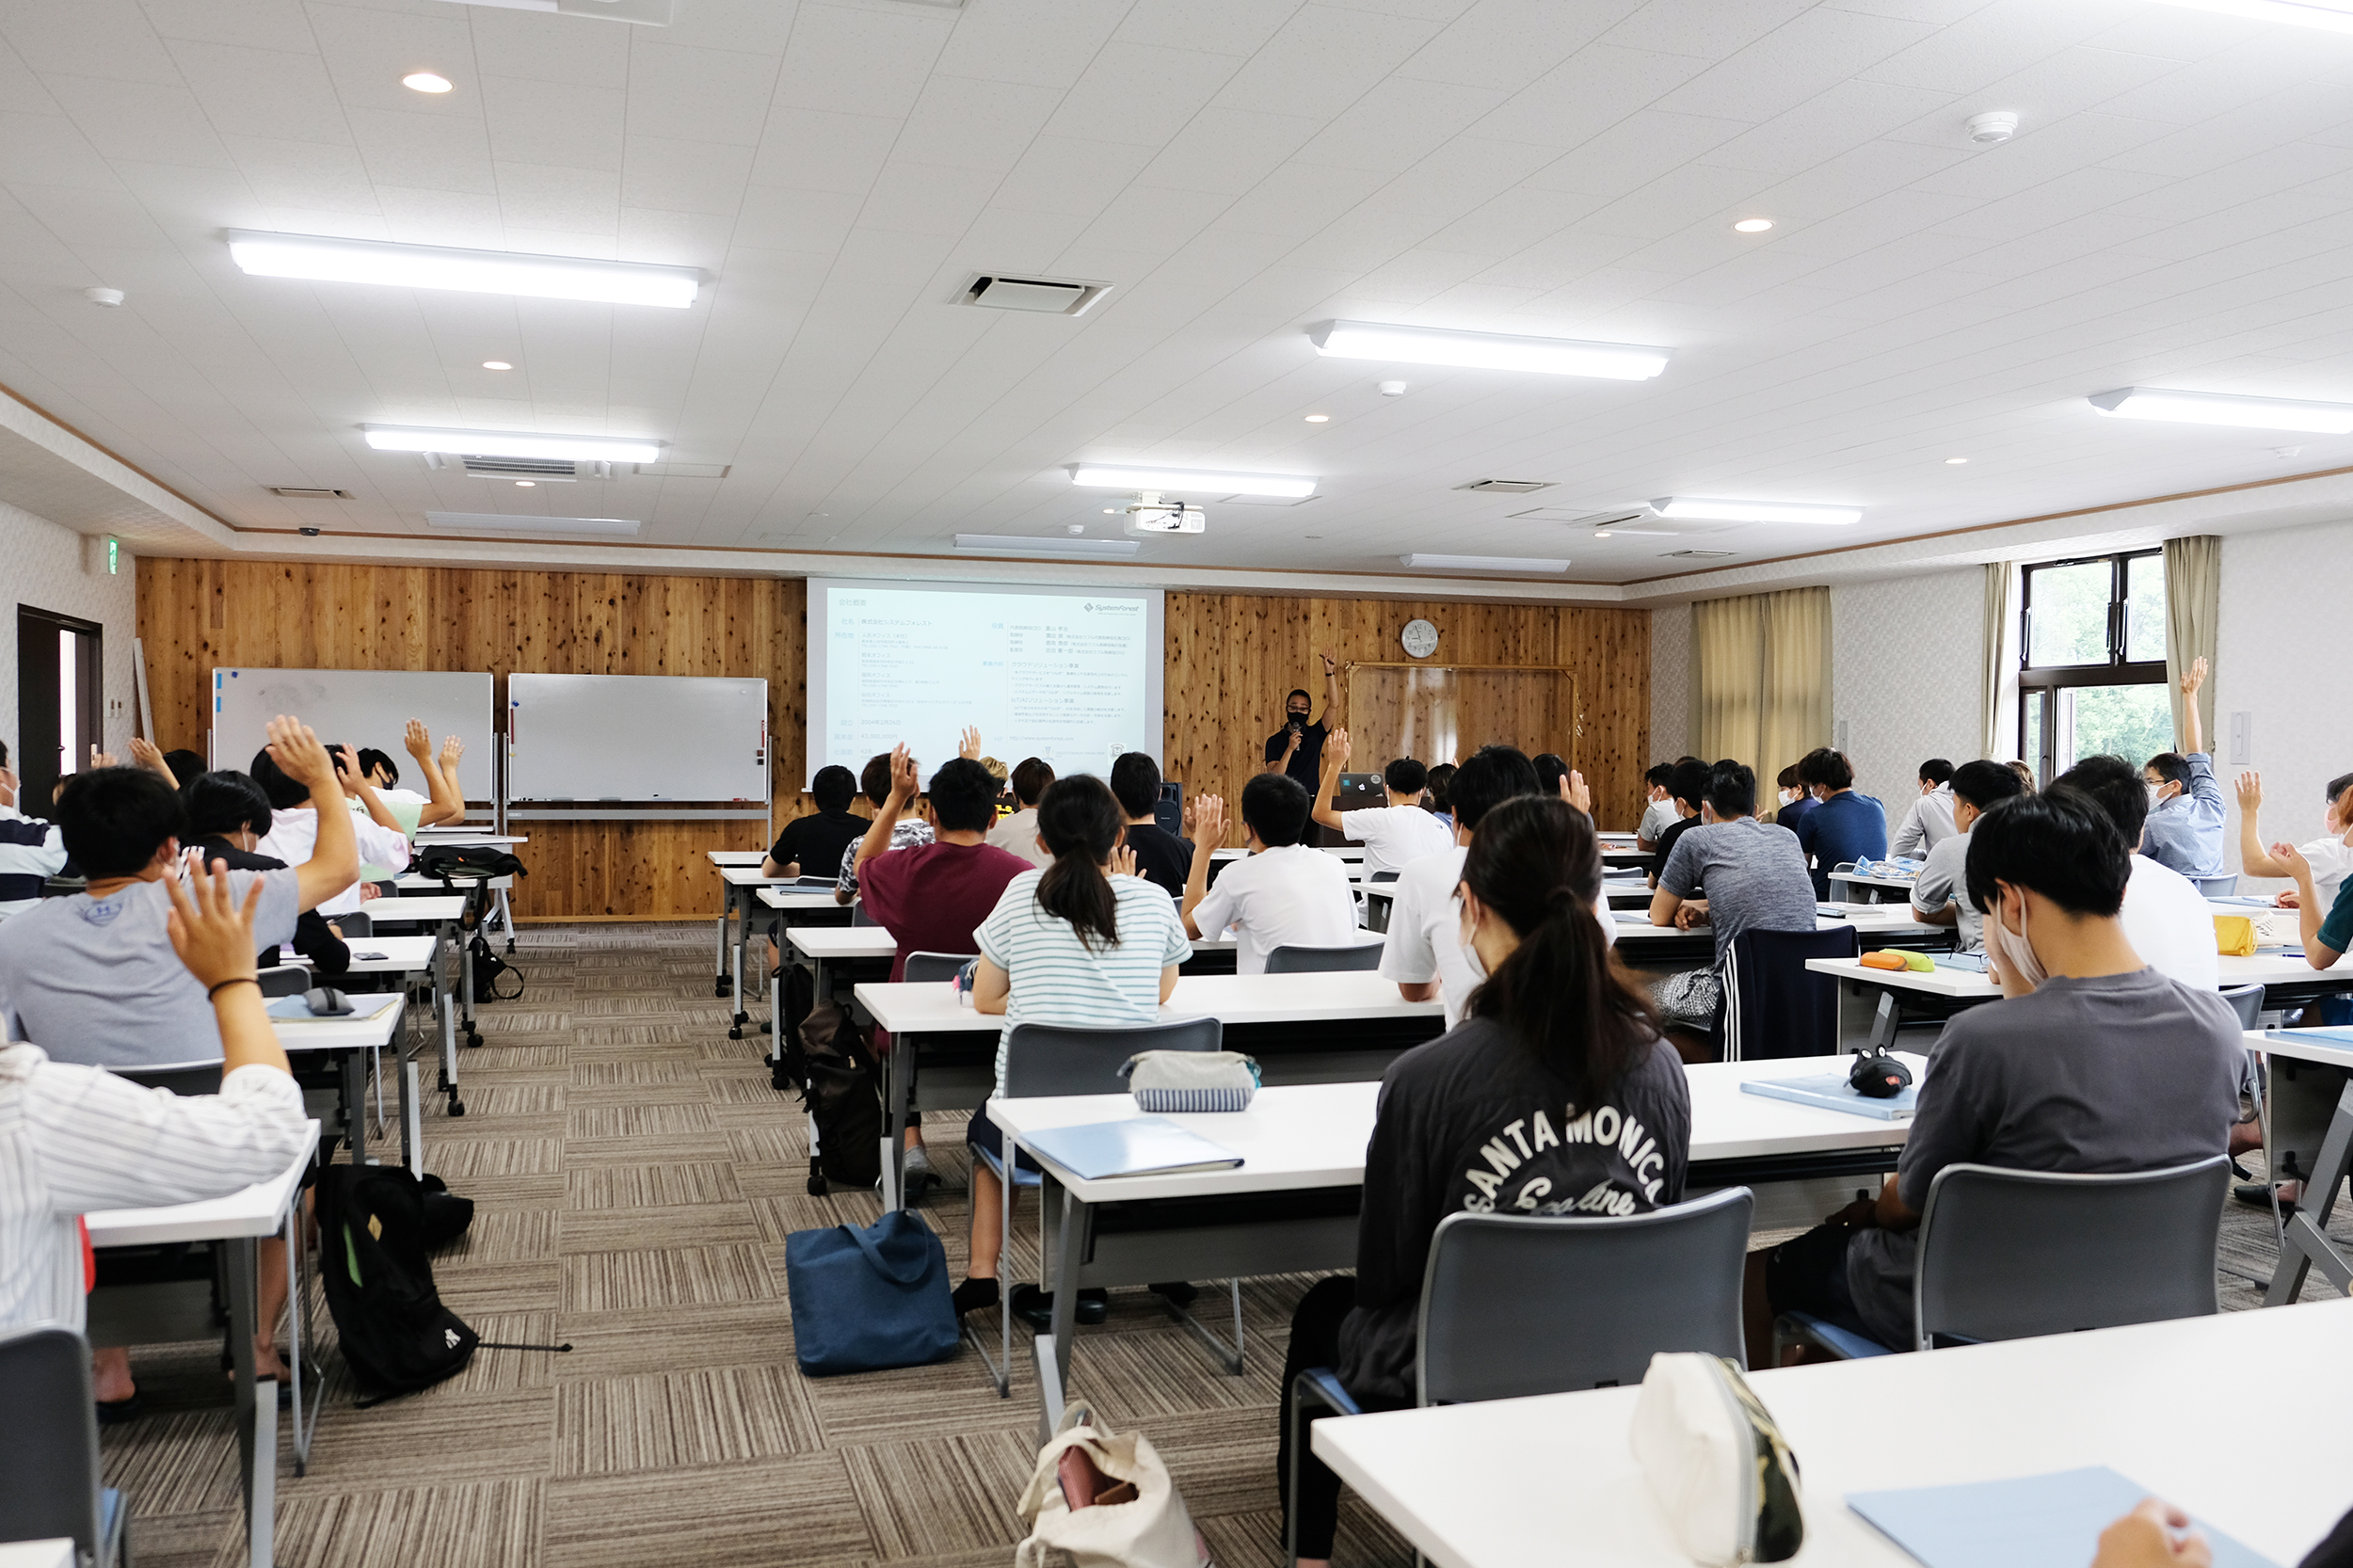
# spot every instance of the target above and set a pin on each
(1831, 1092)
(2050, 1521)
(1134, 1146)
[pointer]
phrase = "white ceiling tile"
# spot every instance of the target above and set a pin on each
(1840, 117)
(553, 123)
(1504, 45)
(818, 149)
(1236, 27)
(1587, 94)
(778, 219)
(1640, 148)
(974, 124)
(368, 50)
(282, 94)
(1678, 199)
(143, 121)
(1399, 123)
(1229, 150)
(1118, 97)
(534, 46)
(44, 149)
(666, 175)
(402, 148)
(1991, 43)
(87, 38)
(1298, 201)
(752, 27)
(1033, 42)
(709, 95)
(427, 217)
(545, 197)
(1323, 59)
(1807, 54)
(305, 175)
(671, 237)
(860, 61)
(924, 198)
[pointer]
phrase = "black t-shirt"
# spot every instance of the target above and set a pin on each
(327, 953)
(1162, 857)
(1472, 1121)
(1307, 763)
(1673, 830)
(818, 841)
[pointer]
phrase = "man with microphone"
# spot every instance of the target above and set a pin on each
(1297, 748)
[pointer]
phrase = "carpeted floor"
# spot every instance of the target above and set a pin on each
(635, 1178)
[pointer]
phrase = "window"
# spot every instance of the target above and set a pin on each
(2093, 676)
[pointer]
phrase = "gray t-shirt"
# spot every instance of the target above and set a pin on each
(1752, 875)
(2130, 1072)
(1942, 881)
(95, 980)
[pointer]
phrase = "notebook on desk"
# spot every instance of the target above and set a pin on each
(2032, 1521)
(1831, 1092)
(1135, 1146)
(2336, 1035)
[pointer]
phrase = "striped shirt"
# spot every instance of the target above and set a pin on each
(31, 852)
(1058, 979)
(75, 1139)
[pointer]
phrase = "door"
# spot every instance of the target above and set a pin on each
(60, 701)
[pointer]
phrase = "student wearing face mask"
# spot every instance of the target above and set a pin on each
(31, 849)
(2093, 1061)
(1928, 820)
(2185, 808)
(2329, 856)
(2166, 918)
(1732, 873)
(1940, 896)
(1795, 801)
(1660, 814)
(228, 818)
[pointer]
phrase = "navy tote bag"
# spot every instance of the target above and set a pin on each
(865, 1300)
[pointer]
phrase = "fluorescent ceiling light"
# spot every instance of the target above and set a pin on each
(1016, 544)
(499, 522)
(1481, 563)
(1176, 479)
(513, 443)
(1433, 345)
(434, 267)
(1700, 507)
(2335, 16)
(2260, 413)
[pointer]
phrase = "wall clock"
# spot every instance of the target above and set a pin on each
(1420, 638)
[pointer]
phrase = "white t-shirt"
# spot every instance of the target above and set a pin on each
(2331, 858)
(1395, 835)
(1018, 834)
(1658, 816)
(2168, 923)
(1425, 939)
(1057, 978)
(293, 833)
(1290, 897)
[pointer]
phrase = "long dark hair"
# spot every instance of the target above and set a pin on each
(1081, 822)
(1534, 862)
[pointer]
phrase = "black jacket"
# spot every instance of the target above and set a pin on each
(312, 938)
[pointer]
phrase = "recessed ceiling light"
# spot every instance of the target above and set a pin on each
(425, 81)
(513, 443)
(2332, 15)
(432, 266)
(1601, 532)
(2260, 413)
(1956, 459)
(525, 484)
(1177, 479)
(1706, 509)
(1481, 563)
(1318, 419)
(1432, 345)
(1752, 226)
(496, 365)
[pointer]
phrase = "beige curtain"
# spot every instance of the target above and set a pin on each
(2193, 604)
(1999, 655)
(1763, 678)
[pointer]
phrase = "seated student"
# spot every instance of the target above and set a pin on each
(909, 832)
(228, 815)
(2185, 808)
(1661, 813)
(2026, 775)
(932, 898)
(2166, 918)
(2095, 1062)
(1551, 768)
(1437, 795)
(1558, 1047)
(1794, 799)
(1730, 873)
(413, 810)
(1687, 789)
(1018, 833)
(2327, 928)
(183, 765)
(1928, 820)
(295, 827)
(1085, 942)
(1284, 894)
(74, 1138)
(1392, 834)
(1844, 826)
(814, 845)
(2330, 855)
(369, 805)
(1940, 896)
(31, 849)
(1161, 857)
(1425, 953)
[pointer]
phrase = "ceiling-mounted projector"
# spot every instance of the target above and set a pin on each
(1151, 515)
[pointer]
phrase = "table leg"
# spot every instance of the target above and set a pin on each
(742, 935)
(2305, 1242)
(256, 1403)
(898, 1082)
(449, 1047)
(355, 1092)
(507, 918)
(1065, 1318)
(411, 1118)
(719, 947)
(1887, 1021)
(465, 979)
(295, 1302)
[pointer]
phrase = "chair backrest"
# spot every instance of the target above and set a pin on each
(1381, 877)
(1051, 1058)
(1774, 1005)
(1298, 959)
(1544, 1304)
(181, 1078)
(356, 924)
(284, 980)
(860, 916)
(2248, 1001)
(812, 882)
(2216, 887)
(922, 966)
(49, 1445)
(2005, 1254)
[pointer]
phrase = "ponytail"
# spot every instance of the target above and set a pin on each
(1535, 863)
(1081, 822)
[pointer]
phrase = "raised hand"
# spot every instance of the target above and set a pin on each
(2196, 678)
(1209, 818)
(1577, 792)
(213, 935)
(143, 753)
(418, 740)
(102, 758)
(1338, 741)
(1330, 665)
(295, 748)
(452, 749)
(1123, 861)
(2251, 792)
(968, 745)
(902, 780)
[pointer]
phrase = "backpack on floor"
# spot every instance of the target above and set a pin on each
(489, 969)
(844, 1096)
(799, 991)
(375, 1268)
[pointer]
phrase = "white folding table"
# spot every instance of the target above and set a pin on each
(447, 913)
(2308, 1130)
(351, 1038)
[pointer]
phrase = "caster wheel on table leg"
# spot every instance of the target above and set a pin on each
(457, 1106)
(735, 1034)
(721, 987)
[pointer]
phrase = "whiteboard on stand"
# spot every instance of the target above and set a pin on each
(585, 738)
(362, 708)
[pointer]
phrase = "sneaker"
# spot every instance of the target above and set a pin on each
(1035, 1307)
(916, 1176)
(2254, 1194)
(974, 1295)
(1176, 1292)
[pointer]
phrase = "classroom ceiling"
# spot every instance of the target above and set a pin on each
(2175, 210)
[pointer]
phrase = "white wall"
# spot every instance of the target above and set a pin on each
(41, 564)
(2280, 657)
(1670, 683)
(1907, 671)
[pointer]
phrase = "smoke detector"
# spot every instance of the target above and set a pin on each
(108, 298)
(1985, 129)
(1151, 516)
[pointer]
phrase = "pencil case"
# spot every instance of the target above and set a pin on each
(1165, 1081)
(2234, 936)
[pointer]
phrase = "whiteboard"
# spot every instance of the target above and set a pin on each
(363, 708)
(636, 737)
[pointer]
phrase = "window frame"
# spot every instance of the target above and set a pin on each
(2038, 685)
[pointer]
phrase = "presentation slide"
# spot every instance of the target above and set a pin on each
(1071, 675)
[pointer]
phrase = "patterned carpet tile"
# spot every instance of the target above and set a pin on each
(666, 1276)
(589, 1230)
(798, 1510)
(693, 1416)
(642, 1186)
(488, 1523)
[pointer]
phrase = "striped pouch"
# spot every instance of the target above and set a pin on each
(1191, 1079)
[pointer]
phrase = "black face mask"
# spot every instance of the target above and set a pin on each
(1297, 721)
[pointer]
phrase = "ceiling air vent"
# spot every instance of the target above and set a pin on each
(1055, 296)
(560, 471)
(1695, 554)
(1507, 487)
(309, 492)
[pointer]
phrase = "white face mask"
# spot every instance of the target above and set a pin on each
(1789, 797)
(2156, 794)
(2012, 952)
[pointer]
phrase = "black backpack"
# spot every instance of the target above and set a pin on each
(489, 969)
(841, 1086)
(468, 863)
(377, 1224)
